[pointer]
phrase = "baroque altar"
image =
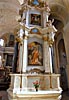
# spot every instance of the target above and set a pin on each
(35, 39)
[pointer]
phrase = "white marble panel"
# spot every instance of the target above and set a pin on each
(24, 82)
(31, 80)
(54, 82)
(47, 82)
(17, 81)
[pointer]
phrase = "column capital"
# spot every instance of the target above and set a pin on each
(46, 38)
(19, 40)
(50, 42)
(25, 37)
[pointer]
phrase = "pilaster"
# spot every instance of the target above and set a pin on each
(46, 57)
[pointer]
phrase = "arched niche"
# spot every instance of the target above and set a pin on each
(62, 53)
(62, 64)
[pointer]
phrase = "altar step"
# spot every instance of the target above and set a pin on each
(4, 95)
(33, 95)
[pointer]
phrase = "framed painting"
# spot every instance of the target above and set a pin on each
(35, 19)
(35, 56)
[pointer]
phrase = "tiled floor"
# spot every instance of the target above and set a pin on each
(65, 95)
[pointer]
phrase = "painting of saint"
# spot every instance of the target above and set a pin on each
(35, 19)
(35, 54)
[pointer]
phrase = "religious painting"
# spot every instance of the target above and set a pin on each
(35, 19)
(35, 56)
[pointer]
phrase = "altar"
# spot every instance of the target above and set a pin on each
(34, 41)
(49, 88)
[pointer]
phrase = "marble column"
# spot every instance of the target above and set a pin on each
(24, 54)
(46, 57)
(47, 15)
(44, 19)
(15, 58)
(51, 70)
(20, 57)
(27, 18)
(24, 65)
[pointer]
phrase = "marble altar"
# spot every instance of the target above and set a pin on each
(34, 59)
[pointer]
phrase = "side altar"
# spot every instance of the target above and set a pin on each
(32, 57)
